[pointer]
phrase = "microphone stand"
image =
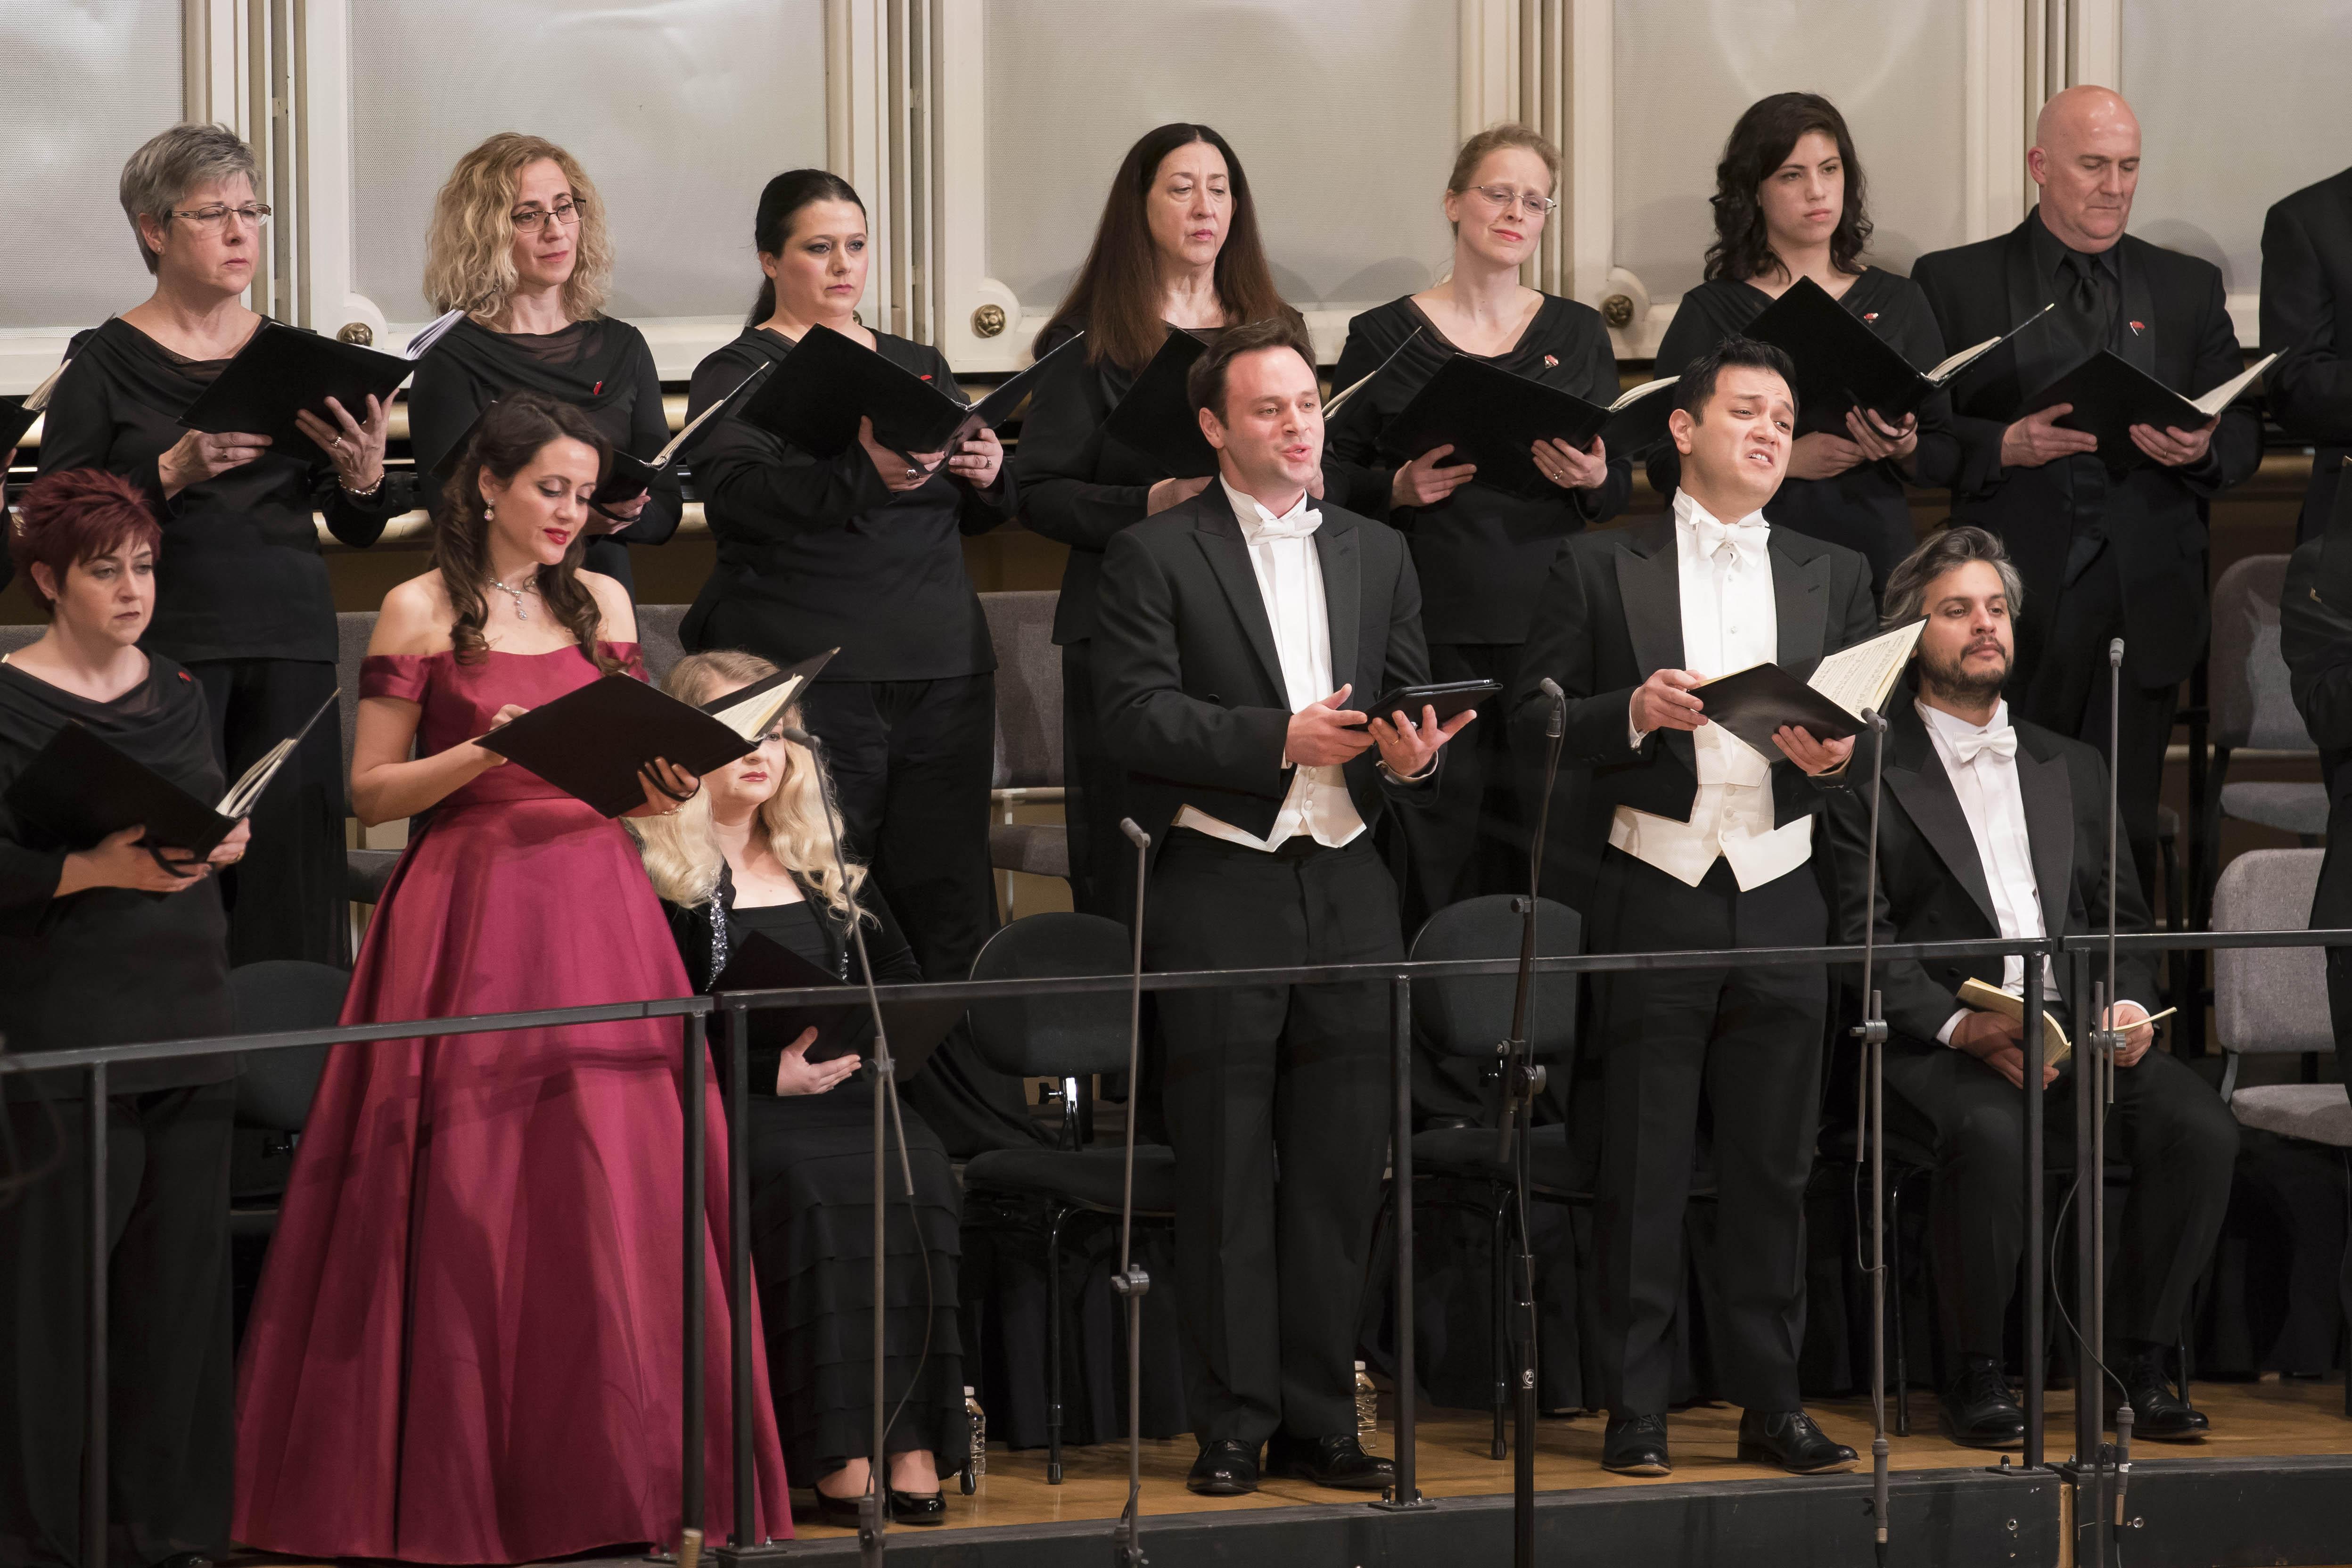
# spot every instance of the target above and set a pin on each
(1870, 1120)
(1131, 1282)
(874, 1508)
(1523, 1080)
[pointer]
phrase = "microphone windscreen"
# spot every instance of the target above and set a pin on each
(2115, 654)
(1550, 688)
(1135, 835)
(798, 737)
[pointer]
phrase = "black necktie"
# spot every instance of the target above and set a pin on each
(2093, 298)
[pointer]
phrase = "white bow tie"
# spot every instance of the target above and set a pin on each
(2000, 743)
(1745, 537)
(1298, 525)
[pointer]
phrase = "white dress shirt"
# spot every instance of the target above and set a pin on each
(1290, 580)
(1730, 621)
(1982, 762)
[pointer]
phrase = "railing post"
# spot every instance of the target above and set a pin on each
(695, 1251)
(2090, 1186)
(1407, 1493)
(2036, 1350)
(739, 1269)
(94, 1486)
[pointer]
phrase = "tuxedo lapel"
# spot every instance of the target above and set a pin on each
(2050, 829)
(1340, 550)
(1916, 777)
(2137, 332)
(1800, 594)
(1651, 588)
(2045, 352)
(1220, 538)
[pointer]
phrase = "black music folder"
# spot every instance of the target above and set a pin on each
(1494, 418)
(282, 370)
(1157, 418)
(631, 477)
(1754, 703)
(1842, 364)
(17, 414)
(756, 962)
(1448, 698)
(81, 788)
(821, 389)
(2110, 395)
(591, 742)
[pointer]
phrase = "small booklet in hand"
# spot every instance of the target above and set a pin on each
(17, 414)
(1156, 417)
(2111, 394)
(1448, 698)
(631, 477)
(1755, 702)
(844, 1028)
(829, 382)
(282, 370)
(592, 742)
(1494, 418)
(1842, 364)
(81, 788)
(1985, 998)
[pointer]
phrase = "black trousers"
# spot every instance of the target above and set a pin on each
(1748, 1042)
(2063, 677)
(911, 762)
(171, 1363)
(1278, 1101)
(1094, 798)
(2179, 1140)
(287, 898)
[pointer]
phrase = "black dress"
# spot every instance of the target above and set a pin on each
(1081, 487)
(812, 1219)
(109, 967)
(816, 553)
(242, 599)
(1481, 555)
(601, 366)
(1863, 508)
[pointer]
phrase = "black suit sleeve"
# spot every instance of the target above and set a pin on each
(1408, 665)
(648, 433)
(1915, 1004)
(763, 492)
(2237, 444)
(1153, 726)
(2311, 386)
(1061, 451)
(1970, 464)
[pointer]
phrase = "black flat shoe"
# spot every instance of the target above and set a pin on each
(2158, 1414)
(1977, 1411)
(1790, 1440)
(839, 1510)
(1635, 1446)
(1225, 1469)
(1338, 1462)
(918, 1507)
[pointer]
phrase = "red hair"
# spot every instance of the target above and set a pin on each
(74, 516)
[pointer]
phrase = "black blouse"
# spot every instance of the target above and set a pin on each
(1866, 507)
(817, 553)
(239, 575)
(108, 965)
(603, 367)
(1481, 553)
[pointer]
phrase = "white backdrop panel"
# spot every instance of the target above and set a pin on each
(678, 109)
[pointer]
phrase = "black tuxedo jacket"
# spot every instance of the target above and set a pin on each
(2154, 516)
(1933, 885)
(2315, 637)
(2306, 284)
(1188, 679)
(1609, 616)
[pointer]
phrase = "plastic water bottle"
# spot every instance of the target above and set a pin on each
(1368, 1409)
(978, 1420)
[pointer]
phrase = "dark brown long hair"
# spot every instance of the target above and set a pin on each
(780, 200)
(512, 432)
(1758, 144)
(1117, 296)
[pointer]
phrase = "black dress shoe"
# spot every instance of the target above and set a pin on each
(1225, 1469)
(1977, 1410)
(918, 1507)
(839, 1510)
(1635, 1446)
(1790, 1440)
(1338, 1462)
(2158, 1414)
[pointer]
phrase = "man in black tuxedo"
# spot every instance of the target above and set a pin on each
(1992, 828)
(2103, 553)
(1233, 629)
(2307, 288)
(1687, 838)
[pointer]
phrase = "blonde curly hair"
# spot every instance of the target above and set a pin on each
(469, 250)
(681, 851)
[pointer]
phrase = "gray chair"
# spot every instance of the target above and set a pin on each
(275, 1088)
(1028, 768)
(365, 870)
(14, 637)
(657, 636)
(2253, 709)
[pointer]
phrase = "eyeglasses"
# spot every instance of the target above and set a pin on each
(531, 218)
(1505, 198)
(210, 220)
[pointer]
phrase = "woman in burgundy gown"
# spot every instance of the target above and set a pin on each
(466, 1343)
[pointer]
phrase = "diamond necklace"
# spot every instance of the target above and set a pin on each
(521, 613)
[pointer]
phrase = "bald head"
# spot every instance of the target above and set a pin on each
(2085, 158)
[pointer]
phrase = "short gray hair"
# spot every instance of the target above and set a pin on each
(159, 175)
(1907, 585)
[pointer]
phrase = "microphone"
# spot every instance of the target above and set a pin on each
(1135, 835)
(1558, 720)
(798, 737)
(1131, 1282)
(1870, 1142)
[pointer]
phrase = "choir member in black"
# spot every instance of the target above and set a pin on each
(754, 855)
(1481, 552)
(1686, 838)
(519, 243)
(1235, 628)
(105, 943)
(2306, 286)
(1176, 248)
(1991, 827)
(2103, 553)
(2316, 637)
(1789, 202)
(242, 598)
(864, 552)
